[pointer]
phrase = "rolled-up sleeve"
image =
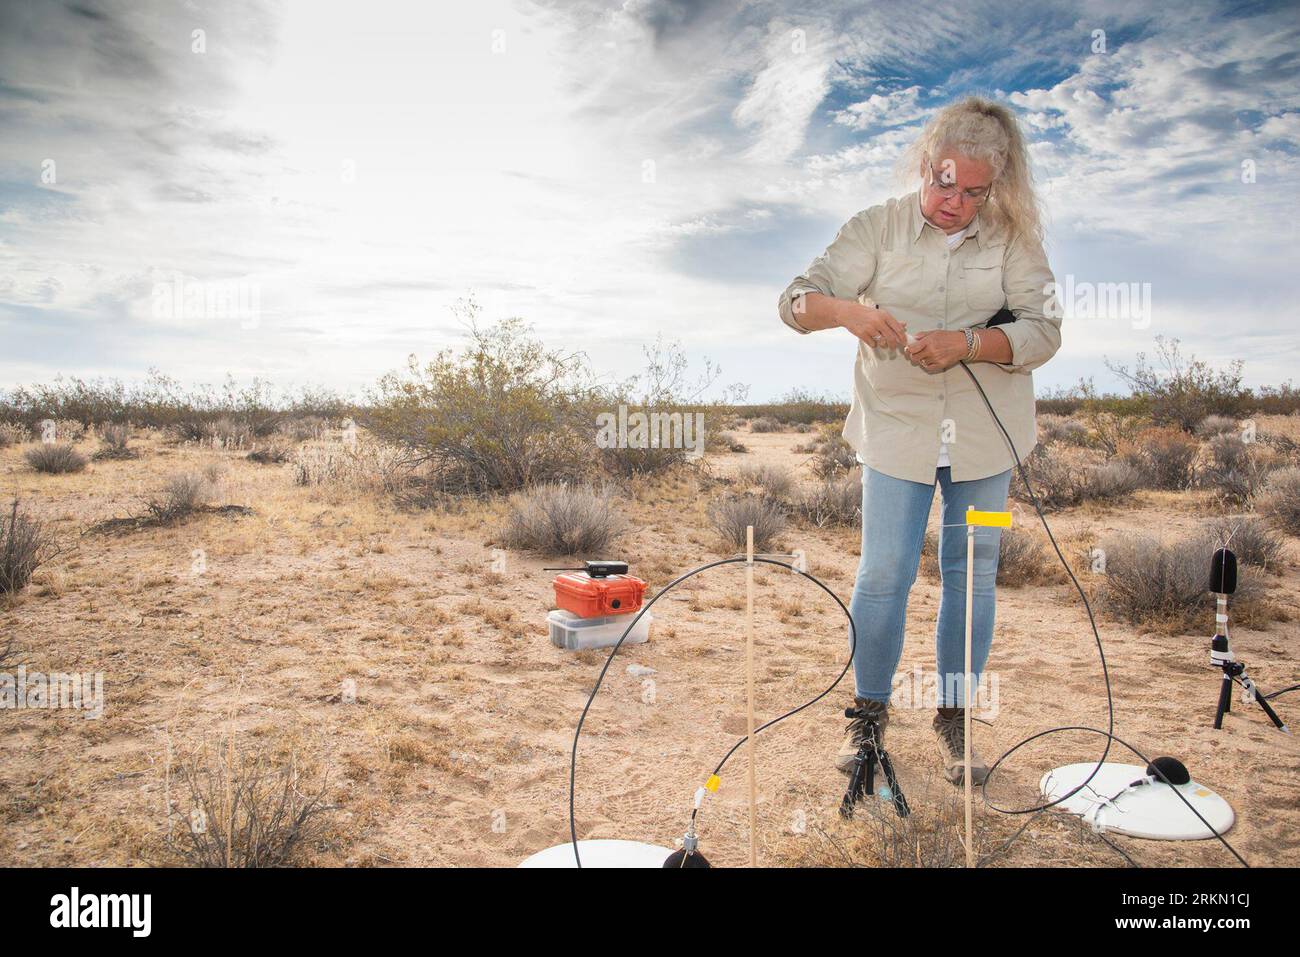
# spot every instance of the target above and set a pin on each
(1031, 296)
(842, 271)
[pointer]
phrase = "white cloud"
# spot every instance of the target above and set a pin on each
(883, 110)
(786, 91)
(563, 176)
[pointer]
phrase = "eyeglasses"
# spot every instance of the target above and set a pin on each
(976, 197)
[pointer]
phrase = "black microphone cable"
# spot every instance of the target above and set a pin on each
(1109, 733)
(573, 756)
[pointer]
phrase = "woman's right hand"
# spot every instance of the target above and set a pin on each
(875, 327)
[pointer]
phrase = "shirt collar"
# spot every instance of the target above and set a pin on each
(919, 227)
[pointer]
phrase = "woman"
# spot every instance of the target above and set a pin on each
(916, 280)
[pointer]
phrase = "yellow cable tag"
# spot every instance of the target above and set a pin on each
(713, 782)
(992, 519)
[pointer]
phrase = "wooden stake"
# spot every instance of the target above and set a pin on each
(966, 679)
(749, 693)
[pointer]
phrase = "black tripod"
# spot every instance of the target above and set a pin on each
(1233, 670)
(1223, 582)
(862, 779)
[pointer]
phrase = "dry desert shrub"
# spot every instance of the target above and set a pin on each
(303, 428)
(765, 423)
(930, 836)
(1286, 448)
(272, 452)
(181, 496)
(11, 433)
(1250, 538)
(723, 442)
(562, 519)
(629, 460)
(187, 428)
(1059, 482)
(1109, 482)
(113, 442)
(836, 500)
(25, 544)
(55, 459)
(1181, 391)
(1279, 500)
(1061, 428)
(1165, 585)
(730, 515)
(1108, 431)
(1164, 455)
(1235, 469)
(775, 481)
(831, 453)
(227, 433)
(1213, 425)
(363, 466)
(1024, 560)
(244, 808)
(504, 414)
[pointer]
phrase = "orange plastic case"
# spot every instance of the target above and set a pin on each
(589, 597)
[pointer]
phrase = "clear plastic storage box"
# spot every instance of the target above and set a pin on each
(575, 633)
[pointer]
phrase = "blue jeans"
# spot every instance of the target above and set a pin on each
(894, 515)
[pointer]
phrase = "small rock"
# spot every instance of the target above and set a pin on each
(640, 671)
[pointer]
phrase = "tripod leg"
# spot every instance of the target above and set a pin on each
(1225, 701)
(895, 792)
(1268, 710)
(855, 784)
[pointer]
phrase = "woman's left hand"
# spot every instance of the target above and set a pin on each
(937, 350)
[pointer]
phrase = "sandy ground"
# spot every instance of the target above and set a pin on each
(456, 749)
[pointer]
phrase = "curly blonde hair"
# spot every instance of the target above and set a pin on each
(984, 130)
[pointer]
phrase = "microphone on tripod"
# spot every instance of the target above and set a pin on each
(1223, 582)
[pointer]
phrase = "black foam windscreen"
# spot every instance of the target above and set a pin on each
(680, 858)
(1174, 771)
(1223, 572)
(1001, 318)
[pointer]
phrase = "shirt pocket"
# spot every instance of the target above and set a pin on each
(898, 280)
(983, 281)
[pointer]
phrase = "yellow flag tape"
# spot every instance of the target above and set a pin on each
(992, 519)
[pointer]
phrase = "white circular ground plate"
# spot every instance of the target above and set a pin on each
(1151, 811)
(601, 854)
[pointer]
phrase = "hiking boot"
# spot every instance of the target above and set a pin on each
(870, 711)
(950, 732)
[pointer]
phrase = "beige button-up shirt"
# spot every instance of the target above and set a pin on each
(891, 256)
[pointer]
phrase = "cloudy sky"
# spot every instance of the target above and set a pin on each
(609, 172)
